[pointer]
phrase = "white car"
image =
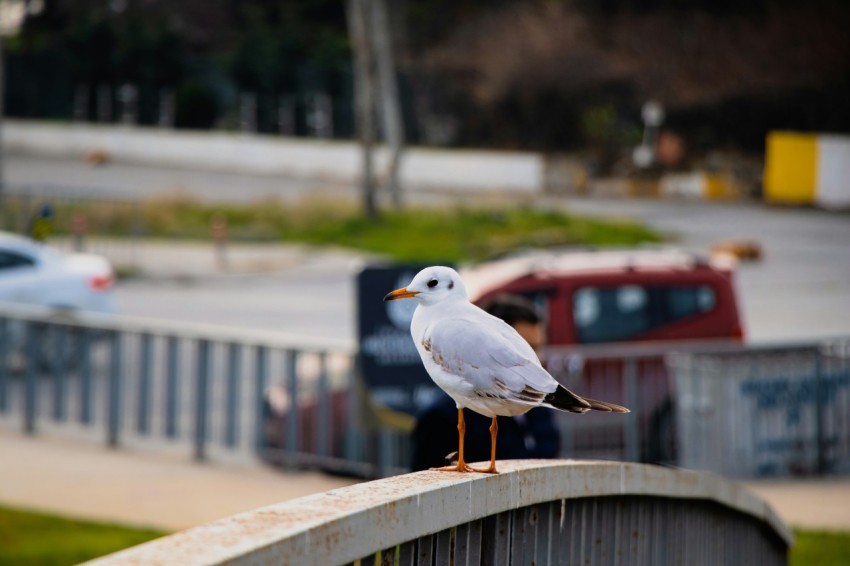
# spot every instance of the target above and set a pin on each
(37, 274)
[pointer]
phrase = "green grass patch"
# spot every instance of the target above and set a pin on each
(432, 234)
(30, 538)
(820, 548)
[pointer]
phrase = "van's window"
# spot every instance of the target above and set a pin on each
(612, 314)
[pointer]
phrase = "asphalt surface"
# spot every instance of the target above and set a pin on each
(798, 291)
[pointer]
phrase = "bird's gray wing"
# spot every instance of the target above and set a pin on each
(493, 362)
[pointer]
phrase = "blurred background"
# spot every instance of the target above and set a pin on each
(203, 203)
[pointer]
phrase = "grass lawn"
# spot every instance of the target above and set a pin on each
(29, 538)
(820, 548)
(432, 234)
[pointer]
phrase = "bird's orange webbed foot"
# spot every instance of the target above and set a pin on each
(466, 468)
(456, 468)
(488, 470)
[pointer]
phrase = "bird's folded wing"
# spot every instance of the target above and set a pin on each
(483, 356)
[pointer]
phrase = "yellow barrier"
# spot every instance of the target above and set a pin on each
(790, 170)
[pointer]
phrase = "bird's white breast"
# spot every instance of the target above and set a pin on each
(457, 388)
(462, 390)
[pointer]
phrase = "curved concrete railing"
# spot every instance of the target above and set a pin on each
(534, 511)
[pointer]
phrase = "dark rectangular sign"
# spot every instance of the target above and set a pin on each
(389, 362)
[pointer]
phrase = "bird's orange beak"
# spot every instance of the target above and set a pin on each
(402, 293)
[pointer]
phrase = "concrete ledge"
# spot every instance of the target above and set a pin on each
(342, 525)
(333, 161)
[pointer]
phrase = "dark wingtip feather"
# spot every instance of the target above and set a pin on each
(606, 406)
(565, 400)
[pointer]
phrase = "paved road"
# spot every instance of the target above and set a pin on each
(124, 181)
(800, 291)
(283, 288)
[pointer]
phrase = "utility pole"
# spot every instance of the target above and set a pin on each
(2, 114)
(389, 105)
(359, 30)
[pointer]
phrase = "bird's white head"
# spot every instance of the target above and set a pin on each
(432, 285)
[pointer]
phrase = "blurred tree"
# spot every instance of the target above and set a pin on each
(507, 73)
(556, 58)
(195, 105)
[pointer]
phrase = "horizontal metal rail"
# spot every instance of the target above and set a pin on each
(534, 512)
(209, 391)
(299, 402)
(787, 401)
(189, 330)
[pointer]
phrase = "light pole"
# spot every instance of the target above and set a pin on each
(2, 112)
(652, 114)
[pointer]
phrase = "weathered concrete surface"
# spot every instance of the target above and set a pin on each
(344, 524)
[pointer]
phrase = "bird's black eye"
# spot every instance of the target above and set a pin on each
(432, 283)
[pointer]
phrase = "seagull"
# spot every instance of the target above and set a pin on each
(479, 360)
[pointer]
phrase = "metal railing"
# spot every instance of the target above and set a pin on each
(724, 406)
(635, 375)
(533, 512)
(765, 411)
(216, 392)
(734, 409)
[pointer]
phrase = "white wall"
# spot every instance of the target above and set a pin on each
(833, 172)
(468, 171)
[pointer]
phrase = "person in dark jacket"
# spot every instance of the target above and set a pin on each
(530, 435)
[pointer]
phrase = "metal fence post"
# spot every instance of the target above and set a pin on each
(323, 414)
(352, 429)
(143, 416)
(33, 330)
(292, 417)
(231, 431)
(632, 436)
(60, 363)
(171, 387)
(85, 376)
(260, 379)
(820, 440)
(387, 453)
(115, 405)
(4, 365)
(202, 398)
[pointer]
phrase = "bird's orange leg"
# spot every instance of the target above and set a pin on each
(461, 465)
(494, 430)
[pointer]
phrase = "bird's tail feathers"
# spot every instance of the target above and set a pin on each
(565, 400)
